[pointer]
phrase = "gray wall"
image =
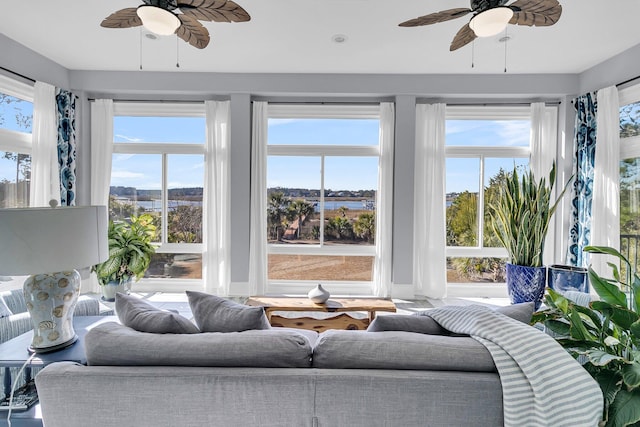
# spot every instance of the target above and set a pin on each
(241, 89)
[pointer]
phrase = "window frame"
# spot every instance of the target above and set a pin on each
(11, 140)
(481, 153)
(164, 149)
(322, 111)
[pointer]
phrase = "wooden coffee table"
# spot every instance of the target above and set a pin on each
(333, 305)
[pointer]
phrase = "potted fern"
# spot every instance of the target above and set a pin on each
(130, 251)
(520, 219)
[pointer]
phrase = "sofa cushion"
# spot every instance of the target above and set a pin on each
(400, 350)
(142, 316)
(215, 314)
(111, 343)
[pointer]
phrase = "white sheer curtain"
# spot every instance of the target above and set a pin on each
(605, 221)
(216, 270)
(101, 151)
(543, 140)
(384, 223)
(258, 231)
(45, 174)
(543, 154)
(429, 244)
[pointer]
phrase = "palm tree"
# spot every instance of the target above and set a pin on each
(365, 226)
(277, 207)
(300, 210)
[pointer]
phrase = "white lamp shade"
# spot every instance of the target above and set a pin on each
(158, 20)
(46, 240)
(491, 22)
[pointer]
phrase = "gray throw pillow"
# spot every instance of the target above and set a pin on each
(215, 314)
(423, 324)
(521, 312)
(142, 316)
(407, 323)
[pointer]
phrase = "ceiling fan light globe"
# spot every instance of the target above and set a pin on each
(157, 20)
(491, 22)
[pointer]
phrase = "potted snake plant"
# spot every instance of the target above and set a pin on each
(520, 219)
(130, 251)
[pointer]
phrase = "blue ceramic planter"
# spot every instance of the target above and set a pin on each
(526, 284)
(568, 278)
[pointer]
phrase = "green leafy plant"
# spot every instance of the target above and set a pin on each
(520, 215)
(604, 337)
(130, 250)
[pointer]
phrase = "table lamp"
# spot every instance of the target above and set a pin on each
(49, 244)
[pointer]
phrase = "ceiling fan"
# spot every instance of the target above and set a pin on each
(158, 16)
(490, 17)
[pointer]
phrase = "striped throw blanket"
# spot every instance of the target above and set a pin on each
(542, 384)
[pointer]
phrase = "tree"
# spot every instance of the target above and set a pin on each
(462, 230)
(630, 120)
(185, 224)
(365, 227)
(340, 227)
(277, 208)
(300, 210)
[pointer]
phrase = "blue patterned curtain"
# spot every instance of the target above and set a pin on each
(583, 161)
(66, 112)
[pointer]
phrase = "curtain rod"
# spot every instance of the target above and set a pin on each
(497, 104)
(17, 74)
(161, 101)
(628, 81)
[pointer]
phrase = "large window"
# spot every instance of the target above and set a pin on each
(158, 169)
(483, 144)
(322, 186)
(16, 114)
(630, 173)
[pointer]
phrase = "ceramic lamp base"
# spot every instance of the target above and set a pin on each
(51, 300)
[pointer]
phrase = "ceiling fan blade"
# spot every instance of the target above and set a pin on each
(192, 32)
(462, 38)
(125, 18)
(434, 18)
(539, 13)
(214, 10)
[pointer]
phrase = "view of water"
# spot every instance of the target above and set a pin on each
(333, 205)
(156, 205)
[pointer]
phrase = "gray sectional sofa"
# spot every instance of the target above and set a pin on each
(273, 377)
(228, 367)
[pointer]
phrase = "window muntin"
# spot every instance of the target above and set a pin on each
(482, 144)
(16, 117)
(156, 171)
(334, 169)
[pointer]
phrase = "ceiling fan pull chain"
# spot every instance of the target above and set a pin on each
(140, 53)
(473, 53)
(506, 41)
(177, 52)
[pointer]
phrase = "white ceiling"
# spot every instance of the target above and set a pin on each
(295, 36)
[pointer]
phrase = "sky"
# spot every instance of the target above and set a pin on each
(341, 173)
